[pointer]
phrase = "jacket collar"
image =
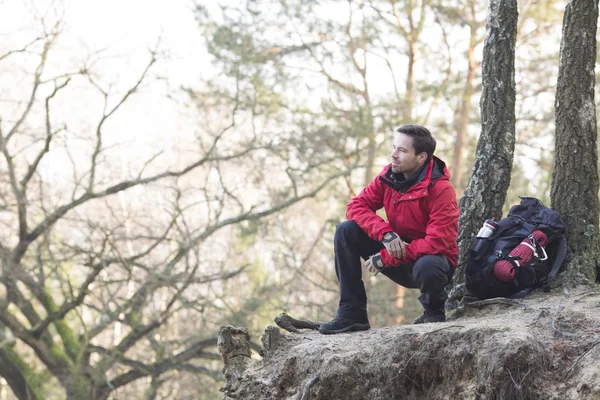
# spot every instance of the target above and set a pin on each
(435, 170)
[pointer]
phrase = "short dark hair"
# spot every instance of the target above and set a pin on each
(423, 141)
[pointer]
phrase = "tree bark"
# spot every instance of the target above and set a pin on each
(234, 346)
(575, 184)
(486, 191)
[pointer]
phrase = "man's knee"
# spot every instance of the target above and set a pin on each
(345, 233)
(432, 270)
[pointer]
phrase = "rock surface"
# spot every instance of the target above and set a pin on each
(546, 346)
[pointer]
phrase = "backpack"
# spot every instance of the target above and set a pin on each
(544, 265)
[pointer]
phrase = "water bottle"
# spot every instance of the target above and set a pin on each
(479, 243)
(488, 228)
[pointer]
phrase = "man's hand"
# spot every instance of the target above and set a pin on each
(394, 245)
(374, 264)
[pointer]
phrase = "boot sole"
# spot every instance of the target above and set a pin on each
(350, 328)
(434, 320)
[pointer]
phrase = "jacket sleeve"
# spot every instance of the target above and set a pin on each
(362, 210)
(441, 231)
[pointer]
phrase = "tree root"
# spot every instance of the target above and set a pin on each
(579, 359)
(294, 325)
(496, 300)
(467, 303)
(586, 294)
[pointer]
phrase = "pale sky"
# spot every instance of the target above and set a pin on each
(122, 32)
(121, 26)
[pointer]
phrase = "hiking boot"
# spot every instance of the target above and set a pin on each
(434, 316)
(343, 324)
(433, 306)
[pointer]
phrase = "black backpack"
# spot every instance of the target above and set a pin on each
(521, 221)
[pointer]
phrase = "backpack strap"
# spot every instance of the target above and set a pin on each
(561, 251)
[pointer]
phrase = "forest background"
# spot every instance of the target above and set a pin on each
(171, 167)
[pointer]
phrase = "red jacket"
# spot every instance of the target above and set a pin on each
(426, 215)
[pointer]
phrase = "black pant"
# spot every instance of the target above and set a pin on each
(430, 273)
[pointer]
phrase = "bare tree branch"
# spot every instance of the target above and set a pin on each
(20, 50)
(175, 362)
(36, 84)
(33, 167)
(61, 211)
(106, 116)
(83, 290)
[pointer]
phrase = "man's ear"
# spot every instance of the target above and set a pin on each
(423, 157)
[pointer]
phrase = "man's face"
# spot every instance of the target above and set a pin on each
(404, 158)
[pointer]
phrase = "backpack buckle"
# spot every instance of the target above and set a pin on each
(534, 246)
(545, 255)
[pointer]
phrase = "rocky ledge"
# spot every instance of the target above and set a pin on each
(546, 346)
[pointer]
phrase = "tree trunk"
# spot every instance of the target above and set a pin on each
(575, 177)
(19, 376)
(462, 125)
(409, 97)
(372, 137)
(486, 191)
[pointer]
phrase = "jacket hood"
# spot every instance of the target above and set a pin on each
(439, 170)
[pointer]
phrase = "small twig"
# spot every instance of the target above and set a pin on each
(550, 296)
(519, 386)
(542, 313)
(580, 357)
(293, 325)
(413, 381)
(305, 391)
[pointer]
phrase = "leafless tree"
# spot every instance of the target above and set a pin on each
(110, 268)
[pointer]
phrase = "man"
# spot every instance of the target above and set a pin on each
(416, 247)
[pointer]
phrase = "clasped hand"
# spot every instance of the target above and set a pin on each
(374, 264)
(394, 245)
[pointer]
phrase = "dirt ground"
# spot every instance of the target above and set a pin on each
(546, 346)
